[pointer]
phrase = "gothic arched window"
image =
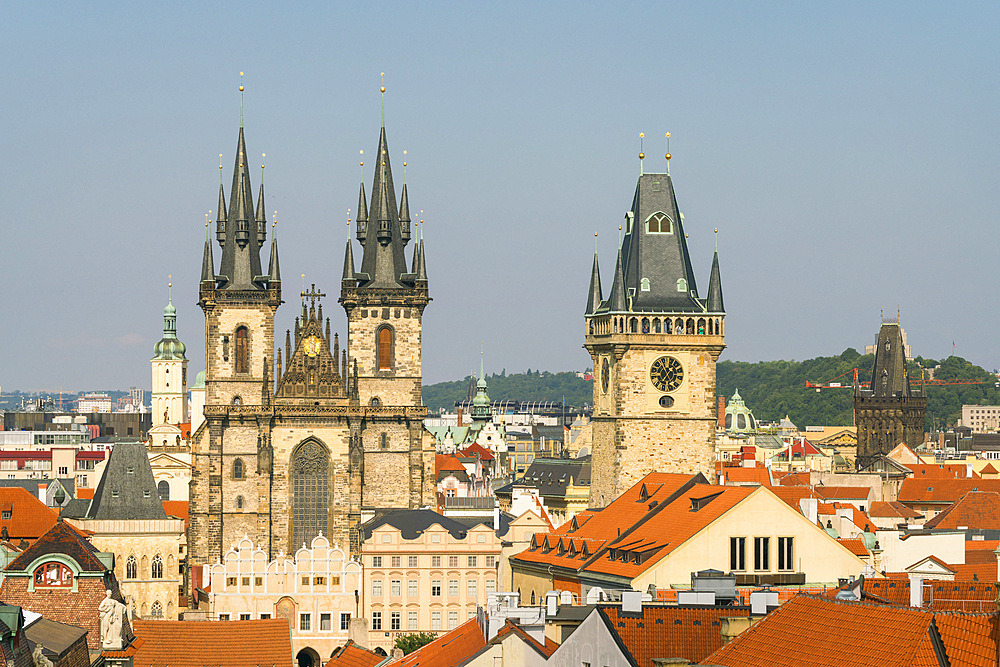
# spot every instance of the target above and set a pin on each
(163, 489)
(384, 346)
(310, 497)
(156, 611)
(157, 567)
(131, 568)
(238, 469)
(241, 351)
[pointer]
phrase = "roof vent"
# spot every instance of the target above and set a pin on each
(698, 503)
(653, 504)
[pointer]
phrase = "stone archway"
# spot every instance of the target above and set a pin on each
(307, 657)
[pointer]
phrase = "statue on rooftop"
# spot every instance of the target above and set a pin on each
(112, 613)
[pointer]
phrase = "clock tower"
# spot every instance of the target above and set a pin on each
(654, 344)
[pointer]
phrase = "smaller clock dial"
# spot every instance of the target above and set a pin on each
(666, 374)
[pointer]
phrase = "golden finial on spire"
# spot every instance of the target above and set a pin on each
(383, 81)
(274, 217)
(642, 155)
(220, 161)
(241, 82)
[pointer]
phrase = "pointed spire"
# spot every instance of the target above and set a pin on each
(274, 273)
(594, 297)
(348, 262)
(241, 263)
(220, 218)
(362, 216)
(207, 261)
(404, 216)
(616, 302)
(415, 264)
(261, 217)
(422, 269)
(384, 221)
(714, 301)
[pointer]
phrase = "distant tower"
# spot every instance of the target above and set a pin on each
(890, 411)
(169, 397)
(654, 345)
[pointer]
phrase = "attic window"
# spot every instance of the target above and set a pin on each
(130, 470)
(659, 223)
(114, 494)
(5, 515)
(698, 503)
(53, 575)
(682, 285)
(644, 284)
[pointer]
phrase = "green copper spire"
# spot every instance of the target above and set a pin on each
(169, 347)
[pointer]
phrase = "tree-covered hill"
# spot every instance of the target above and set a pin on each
(529, 386)
(773, 389)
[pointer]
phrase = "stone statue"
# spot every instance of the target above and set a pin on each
(112, 613)
(39, 659)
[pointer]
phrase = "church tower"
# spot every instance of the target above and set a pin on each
(239, 302)
(654, 344)
(385, 302)
(889, 411)
(169, 397)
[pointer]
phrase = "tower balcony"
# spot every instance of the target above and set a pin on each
(680, 329)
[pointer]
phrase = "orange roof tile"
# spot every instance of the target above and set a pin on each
(453, 648)
(892, 510)
(796, 479)
(856, 545)
(84, 494)
(177, 508)
(941, 471)
(843, 492)
(974, 510)
(746, 475)
(668, 631)
(475, 449)
(809, 630)
(793, 494)
(352, 655)
(216, 643)
(447, 462)
(975, 545)
(29, 519)
(989, 470)
(942, 491)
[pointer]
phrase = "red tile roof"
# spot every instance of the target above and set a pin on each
(475, 449)
(746, 476)
(796, 479)
(177, 508)
(939, 595)
(811, 630)
(892, 510)
(843, 492)
(668, 631)
(793, 494)
(856, 545)
(444, 462)
(989, 470)
(975, 545)
(545, 649)
(980, 565)
(216, 643)
(974, 510)
(942, 491)
(941, 471)
(450, 649)
(352, 655)
(29, 519)
(84, 494)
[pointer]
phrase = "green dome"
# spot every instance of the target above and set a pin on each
(170, 310)
(739, 418)
(199, 381)
(169, 349)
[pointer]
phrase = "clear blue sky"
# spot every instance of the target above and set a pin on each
(847, 152)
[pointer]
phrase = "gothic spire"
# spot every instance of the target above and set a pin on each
(349, 262)
(383, 263)
(207, 261)
(261, 217)
(714, 301)
(220, 219)
(362, 216)
(404, 216)
(422, 269)
(594, 297)
(616, 302)
(274, 273)
(241, 249)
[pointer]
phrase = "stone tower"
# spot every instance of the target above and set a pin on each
(385, 303)
(890, 411)
(654, 344)
(239, 303)
(169, 396)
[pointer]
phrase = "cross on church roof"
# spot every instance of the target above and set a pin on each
(312, 295)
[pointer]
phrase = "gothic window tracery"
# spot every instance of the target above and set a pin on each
(157, 568)
(310, 465)
(384, 344)
(238, 469)
(131, 568)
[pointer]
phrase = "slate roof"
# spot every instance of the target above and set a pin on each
(890, 376)
(55, 636)
(674, 631)
(217, 643)
(29, 519)
(810, 630)
(413, 522)
(352, 655)
(448, 650)
(553, 477)
(31, 485)
(127, 489)
(976, 510)
(240, 265)
(942, 491)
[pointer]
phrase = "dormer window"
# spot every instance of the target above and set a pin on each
(659, 223)
(682, 285)
(53, 575)
(644, 284)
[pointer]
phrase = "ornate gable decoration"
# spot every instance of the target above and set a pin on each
(312, 371)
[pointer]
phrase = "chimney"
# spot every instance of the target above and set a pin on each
(41, 492)
(809, 508)
(459, 415)
(968, 470)
(916, 591)
(721, 412)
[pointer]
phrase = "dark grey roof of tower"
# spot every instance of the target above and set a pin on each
(714, 300)
(274, 271)
(594, 297)
(261, 216)
(616, 301)
(404, 206)
(415, 264)
(239, 265)
(422, 269)
(349, 262)
(660, 258)
(383, 264)
(127, 490)
(362, 205)
(890, 377)
(220, 218)
(208, 262)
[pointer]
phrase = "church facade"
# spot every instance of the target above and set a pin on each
(654, 344)
(297, 441)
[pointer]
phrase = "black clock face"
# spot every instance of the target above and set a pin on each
(666, 374)
(605, 375)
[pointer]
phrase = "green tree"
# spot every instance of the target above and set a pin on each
(411, 642)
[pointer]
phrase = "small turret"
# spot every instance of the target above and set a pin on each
(714, 301)
(207, 261)
(169, 347)
(349, 263)
(616, 302)
(594, 297)
(404, 217)
(220, 221)
(362, 226)
(261, 217)
(384, 234)
(274, 273)
(422, 269)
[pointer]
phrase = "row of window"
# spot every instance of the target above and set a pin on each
(306, 581)
(761, 554)
(396, 620)
(414, 561)
(325, 622)
(155, 568)
(413, 587)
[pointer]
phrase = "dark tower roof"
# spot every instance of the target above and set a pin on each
(594, 297)
(348, 262)
(714, 301)
(274, 271)
(616, 301)
(127, 490)
(422, 269)
(241, 246)
(383, 264)
(207, 261)
(890, 377)
(654, 253)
